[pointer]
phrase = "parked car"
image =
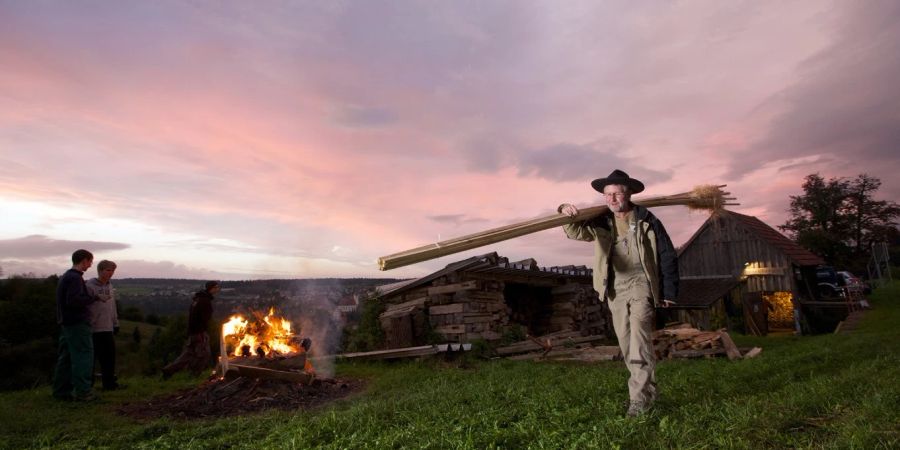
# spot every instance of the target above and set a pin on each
(853, 283)
(830, 284)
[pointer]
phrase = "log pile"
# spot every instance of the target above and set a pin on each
(458, 311)
(474, 311)
(577, 307)
(683, 341)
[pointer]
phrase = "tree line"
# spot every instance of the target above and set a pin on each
(839, 219)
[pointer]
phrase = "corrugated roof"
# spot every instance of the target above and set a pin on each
(797, 254)
(702, 292)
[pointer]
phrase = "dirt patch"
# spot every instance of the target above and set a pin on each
(233, 397)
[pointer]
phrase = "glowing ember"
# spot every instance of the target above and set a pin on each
(267, 336)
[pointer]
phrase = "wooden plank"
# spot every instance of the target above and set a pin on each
(703, 197)
(414, 302)
(529, 346)
(730, 349)
(753, 271)
(451, 308)
(478, 318)
(450, 329)
(397, 312)
(260, 372)
(466, 285)
(406, 352)
(690, 353)
(755, 351)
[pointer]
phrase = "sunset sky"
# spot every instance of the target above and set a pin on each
(237, 140)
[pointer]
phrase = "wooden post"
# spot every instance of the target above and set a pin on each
(223, 353)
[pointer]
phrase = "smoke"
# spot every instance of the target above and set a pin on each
(314, 309)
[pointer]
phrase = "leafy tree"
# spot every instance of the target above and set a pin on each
(27, 308)
(132, 313)
(870, 220)
(368, 335)
(839, 219)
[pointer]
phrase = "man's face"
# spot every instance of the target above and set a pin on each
(617, 198)
(106, 274)
(85, 264)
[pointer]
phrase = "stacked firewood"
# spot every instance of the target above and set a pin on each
(577, 307)
(472, 310)
(683, 341)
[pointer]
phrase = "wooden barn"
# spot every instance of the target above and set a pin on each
(485, 296)
(738, 272)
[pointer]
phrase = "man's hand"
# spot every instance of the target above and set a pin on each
(116, 330)
(667, 303)
(567, 209)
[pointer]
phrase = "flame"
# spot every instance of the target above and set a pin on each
(268, 336)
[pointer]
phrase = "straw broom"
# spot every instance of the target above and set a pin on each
(705, 197)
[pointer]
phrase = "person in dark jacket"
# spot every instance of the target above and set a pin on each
(635, 270)
(196, 353)
(75, 356)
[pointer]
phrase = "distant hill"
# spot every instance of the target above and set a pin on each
(167, 297)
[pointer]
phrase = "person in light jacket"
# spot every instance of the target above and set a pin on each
(105, 323)
(635, 270)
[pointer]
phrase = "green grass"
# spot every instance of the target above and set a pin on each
(829, 391)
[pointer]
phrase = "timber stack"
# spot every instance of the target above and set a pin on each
(483, 297)
(683, 341)
(457, 311)
(577, 307)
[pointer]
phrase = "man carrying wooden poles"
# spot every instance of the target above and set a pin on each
(635, 270)
(635, 267)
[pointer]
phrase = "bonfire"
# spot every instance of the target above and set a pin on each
(262, 341)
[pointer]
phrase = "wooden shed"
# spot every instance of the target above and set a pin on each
(484, 296)
(773, 271)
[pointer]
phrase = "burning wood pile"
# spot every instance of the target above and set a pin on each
(683, 341)
(263, 365)
(264, 347)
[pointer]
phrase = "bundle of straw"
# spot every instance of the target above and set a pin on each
(705, 197)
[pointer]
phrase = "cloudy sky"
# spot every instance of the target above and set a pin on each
(306, 139)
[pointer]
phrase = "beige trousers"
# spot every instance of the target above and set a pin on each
(633, 322)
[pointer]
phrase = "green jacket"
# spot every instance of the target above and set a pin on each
(656, 251)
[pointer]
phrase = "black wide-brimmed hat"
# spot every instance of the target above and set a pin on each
(618, 177)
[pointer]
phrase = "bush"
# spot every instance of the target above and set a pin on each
(166, 343)
(27, 365)
(368, 335)
(132, 313)
(27, 309)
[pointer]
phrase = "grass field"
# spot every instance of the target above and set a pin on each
(829, 391)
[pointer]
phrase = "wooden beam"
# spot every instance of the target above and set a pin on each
(392, 353)
(730, 349)
(464, 286)
(690, 353)
(702, 197)
(260, 372)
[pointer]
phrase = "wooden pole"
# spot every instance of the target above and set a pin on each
(708, 197)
